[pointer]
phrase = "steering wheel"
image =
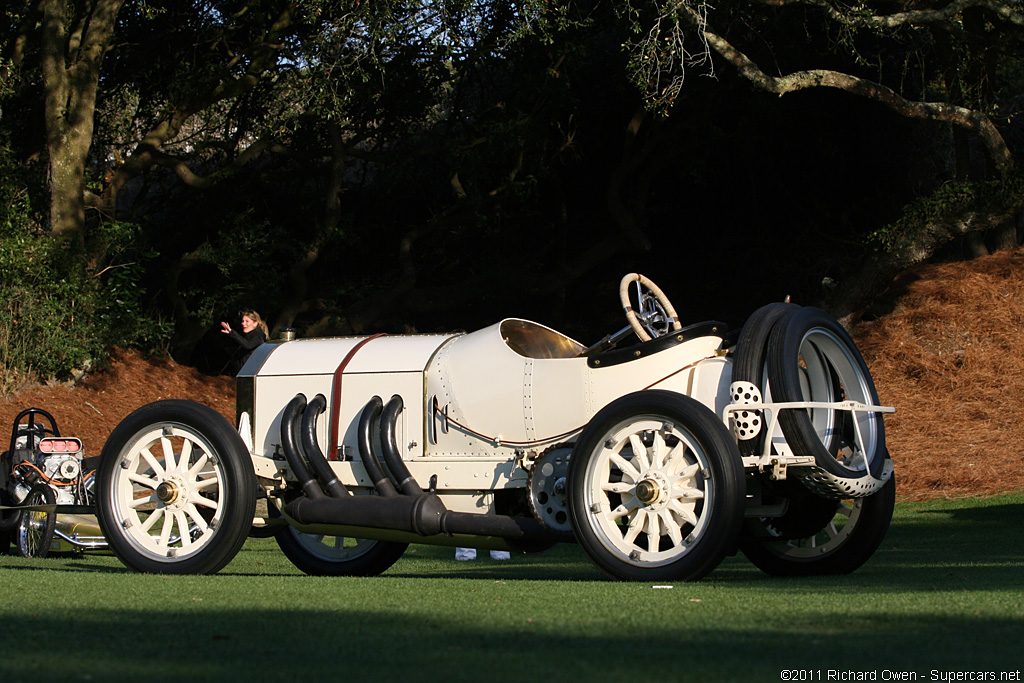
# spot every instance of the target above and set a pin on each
(656, 315)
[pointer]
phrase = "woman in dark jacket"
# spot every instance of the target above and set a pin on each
(254, 332)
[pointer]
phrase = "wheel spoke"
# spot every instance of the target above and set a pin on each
(676, 459)
(201, 484)
(625, 467)
(151, 521)
(165, 532)
(197, 518)
(653, 530)
(168, 449)
(618, 487)
(139, 502)
(671, 528)
(690, 471)
(183, 534)
(684, 512)
(636, 525)
(141, 480)
(621, 511)
(193, 472)
(185, 456)
(658, 451)
(150, 459)
(211, 503)
(639, 452)
(687, 493)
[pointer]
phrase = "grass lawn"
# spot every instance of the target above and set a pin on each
(945, 593)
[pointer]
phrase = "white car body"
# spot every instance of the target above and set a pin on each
(477, 405)
(659, 458)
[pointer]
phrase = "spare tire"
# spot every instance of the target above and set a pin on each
(749, 365)
(812, 358)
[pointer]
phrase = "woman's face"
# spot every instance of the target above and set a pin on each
(248, 324)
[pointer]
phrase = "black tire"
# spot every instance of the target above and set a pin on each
(749, 362)
(9, 519)
(320, 555)
(194, 471)
(35, 530)
(812, 358)
(848, 534)
(265, 531)
(617, 495)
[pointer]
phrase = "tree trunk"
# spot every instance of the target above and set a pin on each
(71, 62)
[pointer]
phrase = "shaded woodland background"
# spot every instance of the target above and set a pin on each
(949, 357)
(348, 167)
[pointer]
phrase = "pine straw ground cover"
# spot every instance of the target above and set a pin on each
(949, 357)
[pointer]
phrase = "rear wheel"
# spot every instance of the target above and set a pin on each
(818, 536)
(656, 488)
(35, 530)
(321, 555)
(9, 518)
(176, 489)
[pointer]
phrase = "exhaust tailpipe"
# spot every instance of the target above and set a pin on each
(389, 444)
(312, 449)
(289, 441)
(368, 419)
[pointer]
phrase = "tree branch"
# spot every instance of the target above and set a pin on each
(969, 119)
(910, 18)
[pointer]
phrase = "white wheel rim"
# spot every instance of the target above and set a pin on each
(167, 492)
(822, 353)
(331, 548)
(833, 535)
(644, 528)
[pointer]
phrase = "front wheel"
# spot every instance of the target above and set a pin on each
(656, 488)
(36, 527)
(176, 489)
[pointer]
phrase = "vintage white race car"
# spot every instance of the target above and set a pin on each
(659, 458)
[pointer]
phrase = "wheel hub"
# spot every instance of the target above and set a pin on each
(647, 491)
(653, 490)
(167, 492)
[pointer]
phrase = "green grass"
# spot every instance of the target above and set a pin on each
(945, 593)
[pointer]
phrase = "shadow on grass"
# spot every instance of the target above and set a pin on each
(969, 545)
(546, 616)
(305, 643)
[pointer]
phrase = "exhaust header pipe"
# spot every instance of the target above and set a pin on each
(407, 508)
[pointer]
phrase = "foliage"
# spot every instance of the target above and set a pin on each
(949, 203)
(57, 319)
(348, 166)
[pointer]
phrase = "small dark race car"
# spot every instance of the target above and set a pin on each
(46, 490)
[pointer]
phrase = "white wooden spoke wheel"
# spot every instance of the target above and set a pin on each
(656, 488)
(176, 489)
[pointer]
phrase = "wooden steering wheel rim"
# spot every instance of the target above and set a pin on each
(627, 307)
